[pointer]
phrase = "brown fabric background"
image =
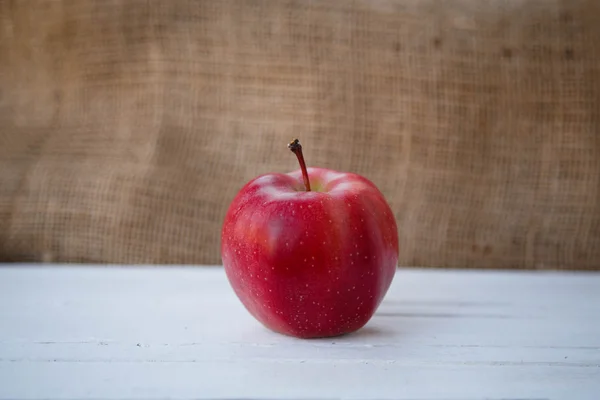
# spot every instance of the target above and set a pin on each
(126, 127)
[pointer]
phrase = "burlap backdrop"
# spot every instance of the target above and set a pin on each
(126, 127)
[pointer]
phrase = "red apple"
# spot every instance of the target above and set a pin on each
(310, 253)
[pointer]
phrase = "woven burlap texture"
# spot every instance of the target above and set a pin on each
(126, 127)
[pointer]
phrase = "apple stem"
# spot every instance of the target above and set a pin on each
(296, 148)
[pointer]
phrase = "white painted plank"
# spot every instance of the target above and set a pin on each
(180, 333)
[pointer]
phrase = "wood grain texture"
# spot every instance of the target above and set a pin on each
(180, 333)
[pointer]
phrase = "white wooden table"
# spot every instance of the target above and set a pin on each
(149, 333)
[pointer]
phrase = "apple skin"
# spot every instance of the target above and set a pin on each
(310, 264)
